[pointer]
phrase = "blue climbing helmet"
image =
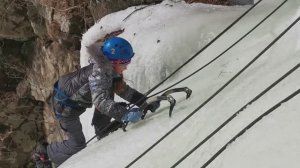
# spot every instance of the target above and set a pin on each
(117, 49)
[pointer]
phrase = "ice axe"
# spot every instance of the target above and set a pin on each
(165, 96)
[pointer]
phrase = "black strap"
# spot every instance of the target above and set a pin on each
(63, 99)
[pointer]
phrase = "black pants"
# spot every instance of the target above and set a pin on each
(61, 151)
(100, 121)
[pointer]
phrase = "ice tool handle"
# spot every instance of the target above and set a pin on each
(166, 96)
(150, 100)
(144, 108)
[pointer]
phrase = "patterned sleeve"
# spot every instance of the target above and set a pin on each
(129, 94)
(101, 88)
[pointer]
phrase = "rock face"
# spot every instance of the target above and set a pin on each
(21, 126)
(14, 24)
(49, 63)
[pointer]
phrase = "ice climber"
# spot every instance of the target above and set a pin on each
(96, 85)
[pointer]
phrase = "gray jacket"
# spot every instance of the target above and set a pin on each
(96, 84)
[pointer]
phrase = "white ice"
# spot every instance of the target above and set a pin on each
(164, 36)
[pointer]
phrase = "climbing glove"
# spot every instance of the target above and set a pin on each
(153, 106)
(134, 115)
